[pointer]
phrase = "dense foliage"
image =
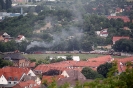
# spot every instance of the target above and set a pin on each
(5, 63)
(12, 46)
(90, 74)
(104, 69)
(123, 45)
(5, 4)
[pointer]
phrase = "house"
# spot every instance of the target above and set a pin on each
(20, 38)
(121, 63)
(45, 69)
(102, 33)
(34, 78)
(73, 73)
(76, 58)
(1, 36)
(3, 80)
(124, 18)
(10, 79)
(119, 10)
(27, 84)
(27, 71)
(127, 28)
(11, 76)
(117, 38)
(59, 67)
(18, 59)
(4, 37)
(72, 76)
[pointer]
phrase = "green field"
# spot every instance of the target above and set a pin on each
(82, 56)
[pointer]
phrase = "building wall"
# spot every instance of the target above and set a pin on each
(31, 73)
(3, 80)
(22, 63)
(1, 38)
(64, 73)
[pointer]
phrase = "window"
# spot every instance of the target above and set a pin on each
(14, 82)
(9, 82)
(15, 79)
(9, 78)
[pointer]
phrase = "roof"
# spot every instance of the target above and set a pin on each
(45, 68)
(116, 38)
(124, 60)
(15, 69)
(63, 65)
(75, 74)
(124, 18)
(71, 81)
(121, 63)
(50, 79)
(33, 64)
(14, 56)
(13, 76)
(27, 77)
(106, 58)
(27, 84)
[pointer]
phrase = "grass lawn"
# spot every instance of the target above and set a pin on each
(82, 56)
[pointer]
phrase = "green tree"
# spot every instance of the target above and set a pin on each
(8, 4)
(5, 63)
(69, 57)
(123, 45)
(90, 74)
(104, 69)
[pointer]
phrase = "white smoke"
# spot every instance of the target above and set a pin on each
(72, 33)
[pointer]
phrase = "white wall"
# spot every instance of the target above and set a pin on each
(31, 73)
(64, 73)
(75, 58)
(3, 80)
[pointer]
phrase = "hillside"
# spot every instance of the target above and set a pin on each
(68, 26)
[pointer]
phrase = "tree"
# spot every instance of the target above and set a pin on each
(32, 60)
(8, 4)
(90, 74)
(2, 5)
(123, 45)
(104, 69)
(5, 63)
(68, 57)
(86, 45)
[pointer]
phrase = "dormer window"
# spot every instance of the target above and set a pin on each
(9, 78)
(15, 79)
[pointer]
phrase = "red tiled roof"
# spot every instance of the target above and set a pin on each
(124, 60)
(14, 76)
(124, 18)
(106, 58)
(118, 9)
(28, 84)
(116, 38)
(77, 65)
(121, 63)
(50, 79)
(33, 64)
(16, 69)
(13, 73)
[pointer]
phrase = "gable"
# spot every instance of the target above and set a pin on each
(3, 80)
